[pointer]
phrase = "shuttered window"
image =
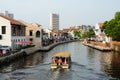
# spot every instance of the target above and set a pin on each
(3, 29)
(31, 33)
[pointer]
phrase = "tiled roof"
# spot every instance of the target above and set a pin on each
(12, 21)
(101, 24)
(71, 28)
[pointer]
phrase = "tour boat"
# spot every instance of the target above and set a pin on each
(61, 60)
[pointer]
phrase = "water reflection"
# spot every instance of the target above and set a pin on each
(111, 64)
(33, 60)
(94, 57)
(107, 62)
(58, 74)
(30, 61)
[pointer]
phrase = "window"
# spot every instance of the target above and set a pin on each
(13, 31)
(3, 29)
(0, 36)
(31, 33)
(38, 34)
(18, 40)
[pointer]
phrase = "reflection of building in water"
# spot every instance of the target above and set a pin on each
(93, 59)
(106, 60)
(33, 60)
(111, 64)
(27, 62)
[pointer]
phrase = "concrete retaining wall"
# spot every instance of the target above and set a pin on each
(98, 47)
(7, 59)
(115, 47)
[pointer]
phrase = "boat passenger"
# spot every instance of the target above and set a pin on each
(63, 59)
(59, 61)
(53, 60)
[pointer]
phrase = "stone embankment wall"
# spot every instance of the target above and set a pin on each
(115, 46)
(7, 59)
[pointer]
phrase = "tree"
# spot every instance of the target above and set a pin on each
(112, 27)
(117, 16)
(90, 33)
(77, 34)
(84, 35)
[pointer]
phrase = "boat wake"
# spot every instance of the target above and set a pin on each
(77, 64)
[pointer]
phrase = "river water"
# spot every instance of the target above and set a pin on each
(87, 64)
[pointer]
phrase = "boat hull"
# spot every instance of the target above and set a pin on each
(64, 66)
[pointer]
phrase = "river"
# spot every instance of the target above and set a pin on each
(87, 64)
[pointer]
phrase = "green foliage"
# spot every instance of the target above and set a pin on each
(112, 27)
(84, 35)
(77, 34)
(117, 16)
(90, 33)
(81, 34)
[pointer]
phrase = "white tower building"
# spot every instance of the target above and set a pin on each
(54, 22)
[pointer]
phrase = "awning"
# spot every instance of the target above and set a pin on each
(25, 42)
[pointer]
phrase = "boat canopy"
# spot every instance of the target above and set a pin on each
(62, 54)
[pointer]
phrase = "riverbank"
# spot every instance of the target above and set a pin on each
(115, 45)
(112, 46)
(28, 51)
(98, 45)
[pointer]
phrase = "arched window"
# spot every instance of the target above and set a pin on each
(38, 34)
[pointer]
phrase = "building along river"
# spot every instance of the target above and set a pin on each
(87, 64)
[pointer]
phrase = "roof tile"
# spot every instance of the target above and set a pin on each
(11, 20)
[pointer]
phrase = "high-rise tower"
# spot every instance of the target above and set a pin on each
(54, 22)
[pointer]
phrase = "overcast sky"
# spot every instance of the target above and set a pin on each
(72, 12)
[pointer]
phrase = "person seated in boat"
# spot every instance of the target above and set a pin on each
(63, 59)
(54, 59)
(66, 60)
(59, 61)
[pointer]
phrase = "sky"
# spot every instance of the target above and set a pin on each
(71, 12)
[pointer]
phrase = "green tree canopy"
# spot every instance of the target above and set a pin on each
(90, 33)
(77, 34)
(112, 27)
(82, 34)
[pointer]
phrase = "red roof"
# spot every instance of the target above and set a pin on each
(101, 24)
(71, 28)
(12, 21)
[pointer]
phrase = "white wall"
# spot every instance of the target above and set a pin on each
(16, 39)
(47, 31)
(71, 33)
(54, 21)
(97, 29)
(6, 38)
